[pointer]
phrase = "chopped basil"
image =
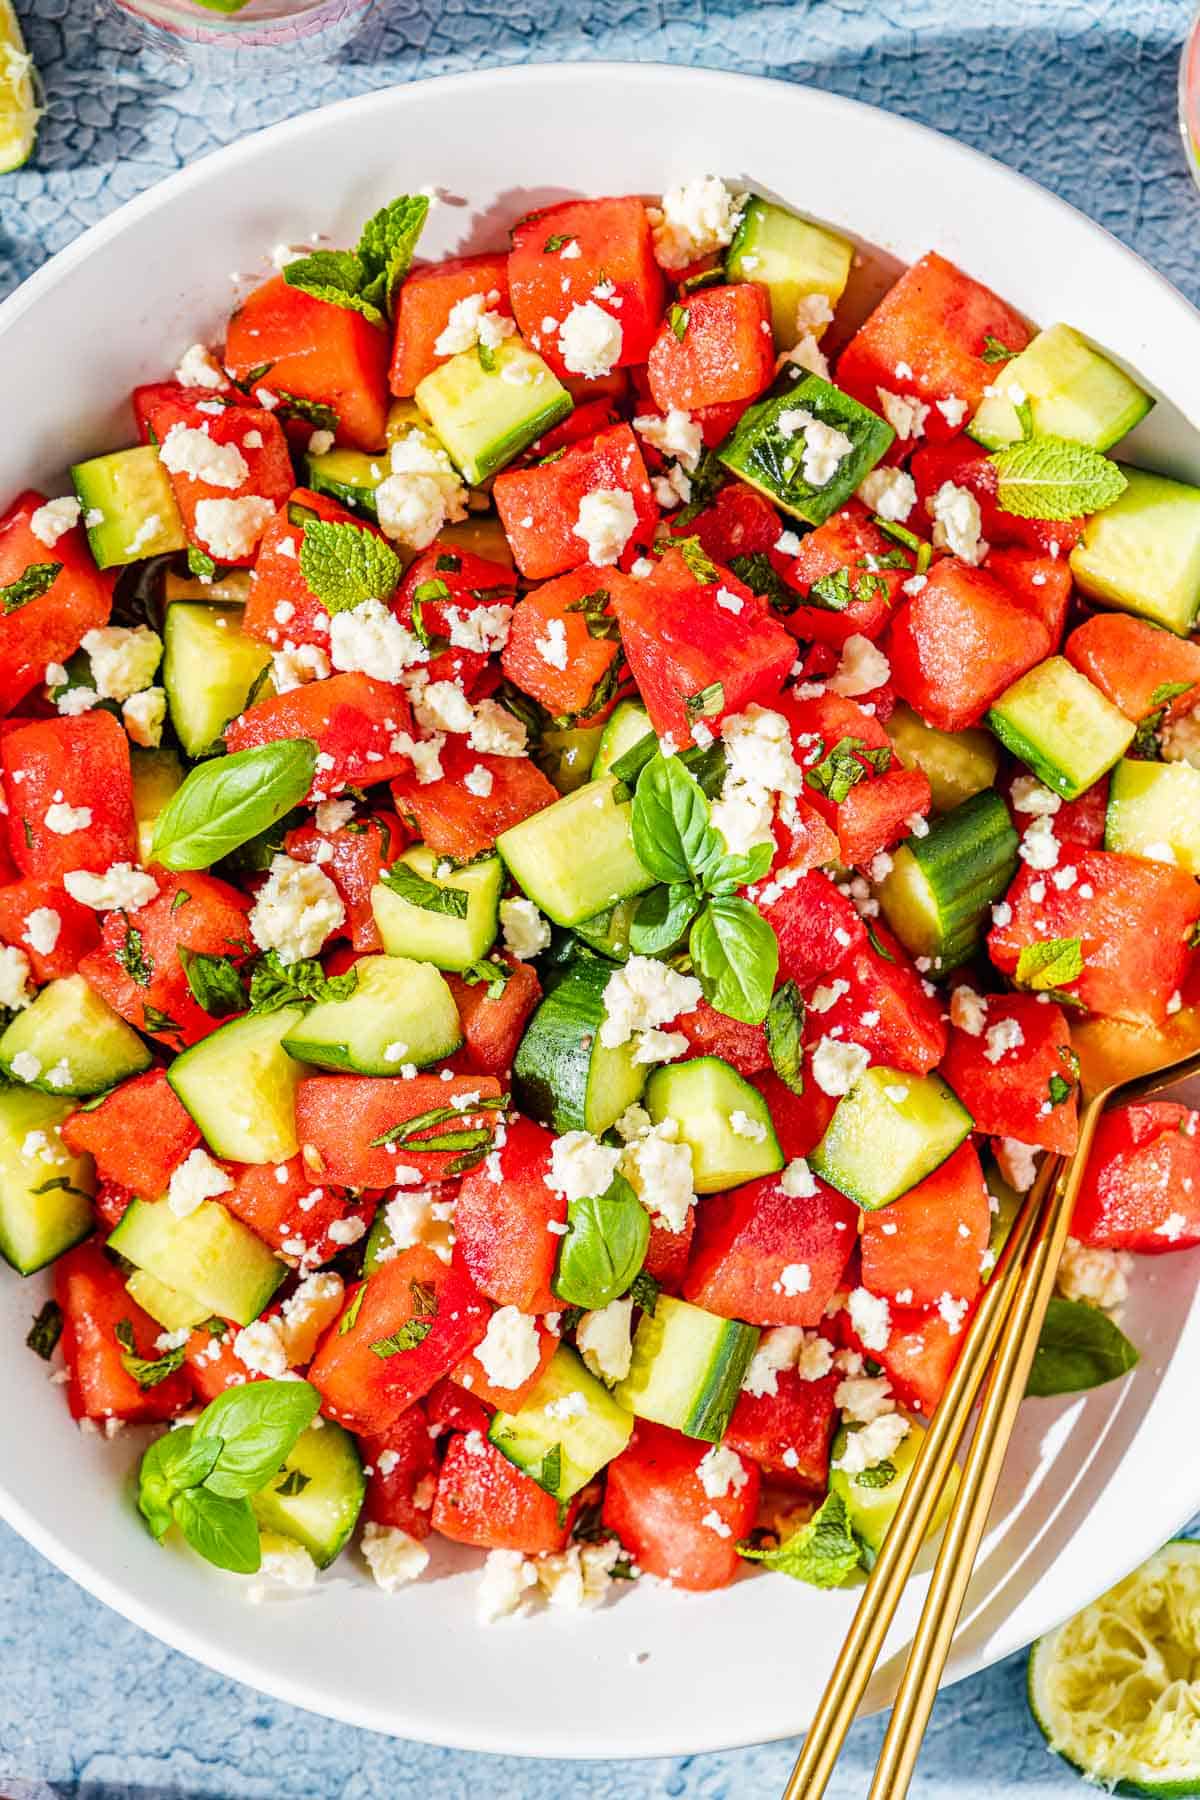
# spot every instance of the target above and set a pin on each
(428, 895)
(44, 1333)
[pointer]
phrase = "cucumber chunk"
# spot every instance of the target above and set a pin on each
(705, 1097)
(45, 1200)
(399, 1012)
(1073, 392)
(1067, 731)
(485, 417)
(317, 1494)
(439, 937)
(209, 668)
(239, 1084)
(579, 1439)
(348, 476)
(482, 534)
(166, 1305)
(77, 1042)
(562, 1074)
(209, 1255)
(888, 1133)
(129, 494)
(688, 1368)
(567, 757)
(1142, 553)
(608, 932)
(1154, 811)
(576, 857)
(872, 1499)
(628, 723)
(156, 776)
(791, 258)
(766, 448)
(939, 889)
(956, 764)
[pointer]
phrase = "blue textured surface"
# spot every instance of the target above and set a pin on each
(1079, 94)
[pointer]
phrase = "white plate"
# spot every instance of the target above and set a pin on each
(1092, 1485)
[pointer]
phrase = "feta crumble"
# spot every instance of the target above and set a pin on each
(197, 1179)
(295, 910)
(604, 1340)
(606, 521)
(369, 638)
(121, 888)
(123, 658)
(695, 218)
(230, 529)
(957, 523)
(510, 1349)
(53, 519)
(589, 340)
(890, 493)
(394, 1557)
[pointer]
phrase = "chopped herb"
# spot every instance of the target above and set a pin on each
(487, 358)
(215, 1327)
(199, 562)
(132, 956)
(430, 896)
(995, 352)
(594, 607)
(678, 318)
(699, 562)
(845, 766)
(1060, 1090)
(46, 1330)
(448, 564)
(349, 1318)
(785, 1035)
(275, 984)
(403, 1133)
(416, 1329)
(181, 899)
(644, 1292)
(1170, 690)
(215, 981)
(556, 242)
(315, 412)
(877, 944)
(146, 1371)
(1048, 966)
(37, 580)
(550, 1473)
(60, 1182)
(825, 1552)
(761, 576)
(346, 565)
(707, 703)
(1024, 412)
(293, 1483)
(154, 1020)
(495, 973)
(882, 1475)
(835, 591)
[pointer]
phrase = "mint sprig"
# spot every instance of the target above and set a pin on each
(365, 280)
(1045, 967)
(1055, 478)
(825, 1552)
(346, 564)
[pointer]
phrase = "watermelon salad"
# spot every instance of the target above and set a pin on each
(574, 817)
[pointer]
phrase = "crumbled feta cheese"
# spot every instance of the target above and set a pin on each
(968, 1011)
(295, 910)
(872, 1444)
(824, 448)
(1017, 1162)
(421, 494)
(42, 927)
(479, 781)
(659, 1169)
(957, 524)
(526, 933)
(721, 1472)
(871, 1318)
(716, 1523)
(891, 493)
(606, 521)
(656, 1046)
(904, 413)
(443, 706)
(144, 714)
(508, 1577)
(553, 647)
(1003, 1036)
(53, 519)
(260, 1347)
(696, 218)
(675, 434)
(483, 629)
(861, 669)
(953, 410)
(1029, 796)
(589, 340)
(864, 1398)
(370, 638)
(197, 1179)
(729, 603)
(332, 815)
(296, 665)
(642, 994)
(286, 1568)
(1097, 1276)
(953, 1312)
(798, 1181)
(189, 450)
(394, 1557)
(199, 369)
(510, 1349)
(743, 1126)
(123, 658)
(320, 443)
(473, 320)
(794, 1278)
(1180, 739)
(579, 1576)
(497, 732)
(121, 888)
(580, 1166)
(230, 529)
(837, 1065)
(26, 1066)
(14, 978)
(604, 1340)
(1039, 847)
(1172, 1228)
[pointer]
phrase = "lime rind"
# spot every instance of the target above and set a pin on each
(1116, 1690)
(19, 110)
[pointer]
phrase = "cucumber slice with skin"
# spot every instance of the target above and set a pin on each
(317, 1494)
(586, 1433)
(438, 937)
(791, 258)
(628, 723)
(766, 448)
(156, 776)
(1154, 811)
(45, 1192)
(576, 857)
(1073, 392)
(562, 1074)
(1068, 732)
(209, 1254)
(400, 1012)
(482, 534)
(705, 1096)
(567, 756)
(1142, 553)
(166, 1305)
(937, 895)
(129, 494)
(688, 1367)
(888, 1133)
(239, 1084)
(1112, 1690)
(485, 417)
(209, 668)
(608, 932)
(348, 476)
(871, 1504)
(956, 764)
(70, 1041)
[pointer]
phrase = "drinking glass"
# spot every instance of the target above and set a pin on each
(204, 27)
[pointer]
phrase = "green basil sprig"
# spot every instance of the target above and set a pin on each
(605, 1246)
(202, 1476)
(1079, 1348)
(228, 800)
(733, 949)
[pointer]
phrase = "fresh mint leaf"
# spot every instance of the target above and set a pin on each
(314, 412)
(882, 1475)
(736, 958)
(1055, 478)
(275, 984)
(662, 917)
(386, 247)
(1060, 1090)
(845, 766)
(37, 580)
(258, 1424)
(556, 241)
(1079, 1348)
(1049, 965)
(706, 704)
(229, 799)
(132, 956)
(678, 317)
(416, 1329)
(215, 982)
(832, 592)
(335, 276)
(760, 575)
(672, 835)
(43, 1335)
(430, 896)
(825, 1552)
(491, 970)
(785, 1035)
(700, 563)
(604, 1247)
(349, 1318)
(995, 352)
(221, 1530)
(346, 564)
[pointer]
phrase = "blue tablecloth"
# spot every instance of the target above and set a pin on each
(1079, 94)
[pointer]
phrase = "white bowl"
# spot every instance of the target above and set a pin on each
(1092, 1485)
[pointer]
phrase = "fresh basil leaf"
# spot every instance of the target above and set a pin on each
(1060, 1090)
(43, 1335)
(336, 276)
(761, 576)
(430, 896)
(349, 1318)
(604, 1247)
(1050, 964)
(228, 800)
(408, 1130)
(825, 1552)
(662, 917)
(259, 1424)
(738, 870)
(1170, 690)
(1055, 478)
(785, 1035)
(1079, 1348)
(671, 831)
(37, 580)
(845, 766)
(346, 564)
(386, 247)
(215, 982)
(177, 1460)
(736, 958)
(275, 984)
(223, 1531)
